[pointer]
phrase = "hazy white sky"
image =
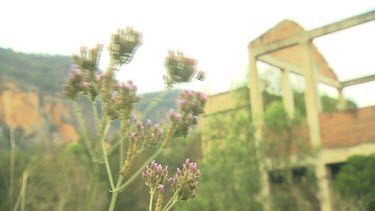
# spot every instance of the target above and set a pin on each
(215, 32)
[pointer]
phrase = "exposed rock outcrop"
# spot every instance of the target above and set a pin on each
(44, 116)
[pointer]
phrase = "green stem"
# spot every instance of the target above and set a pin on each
(120, 187)
(93, 180)
(78, 112)
(152, 192)
(138, 172)
(12, 161)
(121, 157)
(96, 115)
(174, 200)
(115, 194)
(113, 201)
(169, 202)
(102, 127)
(124, 127)
(173, 203)
(105, 156)
(25, 176)
(116, 144)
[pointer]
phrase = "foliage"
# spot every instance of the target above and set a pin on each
(56, 177)
(291, 188)
(330, 104)
(230, 180)
(356, 180)
(45, 72)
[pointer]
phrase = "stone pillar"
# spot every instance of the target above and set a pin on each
(256, 98)
(312, 110)
(319, 100)
(257, 111)
(323, 179)
(311, 95)
(341, 104)
(288, 98)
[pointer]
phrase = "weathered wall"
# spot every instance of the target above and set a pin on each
(293, 54)
(348, 128)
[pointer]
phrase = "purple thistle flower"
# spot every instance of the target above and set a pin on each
(160, 132)
(184, 183)
(99, 76)
(133, 135)
(84, 85)
(75, 72)
(155, 175)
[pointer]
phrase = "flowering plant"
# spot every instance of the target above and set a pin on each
(184, 183)
(180, 69)
(117, 101)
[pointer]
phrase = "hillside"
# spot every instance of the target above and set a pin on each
(46, 73)
(31, 97)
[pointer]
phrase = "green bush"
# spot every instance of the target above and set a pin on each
(356, 181)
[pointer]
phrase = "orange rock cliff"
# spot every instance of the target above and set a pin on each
(46, 117)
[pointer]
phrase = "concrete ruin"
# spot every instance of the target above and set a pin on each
(337, 135)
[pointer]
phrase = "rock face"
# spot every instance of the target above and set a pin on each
(45, 117)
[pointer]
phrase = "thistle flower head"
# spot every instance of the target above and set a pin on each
(161, 187)
(80, 81)
(174, 116)
(185, 181)
(191, 102)
(124, 96)
(145, 136)
(82, 74)
(88, 58)
(124, 44)
(191, 106)
(73, 87)
(155, 175)
(180, 69)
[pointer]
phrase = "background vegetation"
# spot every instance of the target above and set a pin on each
(55, 176)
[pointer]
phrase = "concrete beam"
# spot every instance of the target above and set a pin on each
(338, 155)
(271, 60)
(293, 161)
(328, 156)
(309, 35)
(358, 81)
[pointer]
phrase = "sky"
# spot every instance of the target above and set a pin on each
(215, 32)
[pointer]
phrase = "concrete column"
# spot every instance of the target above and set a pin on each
(341, 105)
(318, 99)
(257, 111)
(311, 95)
(312, 110)
(256, 98)
(323, 179)
(288, 98)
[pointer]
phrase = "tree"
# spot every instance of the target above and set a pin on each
(356, 181)
(230, 180)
